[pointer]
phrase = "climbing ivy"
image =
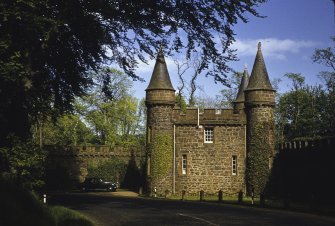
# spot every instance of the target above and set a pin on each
(257, 168)
(161, 155)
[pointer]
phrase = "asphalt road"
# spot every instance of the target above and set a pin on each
(107, 209)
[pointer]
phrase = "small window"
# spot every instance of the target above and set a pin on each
(218, 111)
(209, 135)
(234, 165)
(184, 164)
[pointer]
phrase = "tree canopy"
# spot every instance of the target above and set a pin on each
(46, 47)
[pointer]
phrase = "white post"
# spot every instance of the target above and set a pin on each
(44, 198)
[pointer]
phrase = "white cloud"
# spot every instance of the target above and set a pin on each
(271, 47)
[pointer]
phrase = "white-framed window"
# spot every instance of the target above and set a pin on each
(183, 164)
(234, 165)
(209, 135)
(218, 111)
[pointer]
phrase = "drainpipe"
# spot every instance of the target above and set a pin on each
(245, 158)
(198, 118)
(174, 160)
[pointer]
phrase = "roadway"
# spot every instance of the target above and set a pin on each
(109, 209)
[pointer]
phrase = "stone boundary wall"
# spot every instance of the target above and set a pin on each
(304, 171)
(308, 145)
(66, 166)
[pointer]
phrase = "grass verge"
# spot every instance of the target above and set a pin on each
(21, 207)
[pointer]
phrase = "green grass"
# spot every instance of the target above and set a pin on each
(66, 217)
(19, 207)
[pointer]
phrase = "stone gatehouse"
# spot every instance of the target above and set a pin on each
(206, 149)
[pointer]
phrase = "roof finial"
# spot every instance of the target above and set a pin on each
(259, 45)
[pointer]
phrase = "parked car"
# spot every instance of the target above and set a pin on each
(97, 184)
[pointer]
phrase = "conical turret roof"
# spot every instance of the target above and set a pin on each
(160, 79)
(243, 86)
(259, 78)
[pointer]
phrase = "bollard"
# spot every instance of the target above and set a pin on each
(202, 195)
(183, 193)
(220, 195)
(140, 191)
(240, 196)
(155, 192)
(44, 198)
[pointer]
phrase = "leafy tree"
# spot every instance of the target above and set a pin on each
(305, 111)
(23, 162)
(327, 57)
(69, 129)
(48, 46)
(111, 110)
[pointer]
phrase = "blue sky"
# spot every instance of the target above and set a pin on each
(290, 33)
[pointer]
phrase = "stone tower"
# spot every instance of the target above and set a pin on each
(160, 100)
(259, 108)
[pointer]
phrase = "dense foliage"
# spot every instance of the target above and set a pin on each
(111, 117)
(257, 164)
(24, 162)
(161, 158)
(306, 112)
(47, 47)
(111, 170)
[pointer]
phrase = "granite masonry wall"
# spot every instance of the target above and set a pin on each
(209, 165)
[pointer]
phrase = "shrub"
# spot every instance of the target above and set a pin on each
(65, 217)
(23, 161)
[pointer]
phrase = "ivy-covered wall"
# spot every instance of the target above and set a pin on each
(258, 157)
(161, 162)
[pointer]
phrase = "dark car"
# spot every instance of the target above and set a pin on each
(97, 184)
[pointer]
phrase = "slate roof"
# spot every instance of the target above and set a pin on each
(160, 79)
(259, 78)
(243, 86)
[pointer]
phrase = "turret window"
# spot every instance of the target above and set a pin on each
(209, 135)
(234, 165)
(184, 164)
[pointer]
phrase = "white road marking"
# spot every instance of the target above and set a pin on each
(197, 218)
